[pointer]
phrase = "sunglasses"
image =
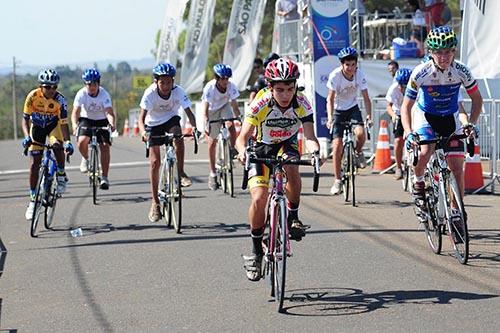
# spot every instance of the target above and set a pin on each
(49, 87)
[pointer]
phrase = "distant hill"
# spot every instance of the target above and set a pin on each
(144, 63)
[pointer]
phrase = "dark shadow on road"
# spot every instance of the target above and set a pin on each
(320, 302)
(376, 204)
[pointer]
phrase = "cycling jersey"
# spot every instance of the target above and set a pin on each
(438, 90)
(217, 99)
(93, 107)
(160, 110)
(45, 112)
(346, 91)
(273, 125)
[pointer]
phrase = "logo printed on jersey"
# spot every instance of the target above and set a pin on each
(281, 122)
(279, 134)
(464, 70)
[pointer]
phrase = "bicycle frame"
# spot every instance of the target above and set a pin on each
(277, 195)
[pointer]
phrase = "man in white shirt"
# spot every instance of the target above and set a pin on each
(219, 102)
(343, 84)
(160, 106)
(92, 107)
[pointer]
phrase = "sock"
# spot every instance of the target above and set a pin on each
(293, 211)
(418, 178)
(32, 194)
(257, 235)
(60, 171)
(213, 174)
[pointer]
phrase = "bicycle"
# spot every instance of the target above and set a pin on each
(46, 189)
(277, 244)
(349, 165)
(224, 165)
(443, 200)
(94, 167)
(407, 170)
(169, 185)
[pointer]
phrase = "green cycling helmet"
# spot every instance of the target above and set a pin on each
(441, 38)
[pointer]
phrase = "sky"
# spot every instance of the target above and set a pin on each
(64, 32)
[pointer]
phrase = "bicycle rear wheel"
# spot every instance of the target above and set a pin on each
(459, 232)
(228, 169)
(37, 211)
(345, 169)
(94, 173)
(431, 226)
(51, 204)
(279, 254)
(175, 196)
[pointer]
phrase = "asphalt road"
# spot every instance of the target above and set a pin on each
(367, 268)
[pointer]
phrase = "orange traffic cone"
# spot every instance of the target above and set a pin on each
(136, 128)
(473, 173)
(383, 153)
(126, 128)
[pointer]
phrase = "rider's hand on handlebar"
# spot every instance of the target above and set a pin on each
(411, 140)
(27, 141)
(369, 122)
(145, 136)
(329, 123)
(471, 130)
(242, 156)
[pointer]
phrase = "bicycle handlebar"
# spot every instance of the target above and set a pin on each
(223, 120)
(44, 145)
(280, 161)
(168, 138)
(446, 140)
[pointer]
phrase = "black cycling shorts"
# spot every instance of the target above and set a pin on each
(161, 130)
(102, 135)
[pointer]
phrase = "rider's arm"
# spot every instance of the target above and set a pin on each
(462, 115)
(390, 111)
(329, 104)
(204, 107)
(236, 109)
(191, 117)
(312, 143)
(247, 130)
(110, 115)
(477, 105)
(142, 117)
(406, 114)
(368, 103)
(65, 132)
(75, 115)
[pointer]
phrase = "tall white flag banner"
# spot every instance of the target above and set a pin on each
(194, 60)
(242, 38)
(167, 47)
(480, 49)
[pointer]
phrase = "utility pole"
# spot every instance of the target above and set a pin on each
(14, 99)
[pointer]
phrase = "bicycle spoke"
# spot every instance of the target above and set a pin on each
(431, 225)
(280, 254)
(175, 197)
(37, 211)
(459, 233)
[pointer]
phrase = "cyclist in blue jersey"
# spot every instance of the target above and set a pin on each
(437, 83)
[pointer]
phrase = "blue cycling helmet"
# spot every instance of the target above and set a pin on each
(91, 75)
(164, 69)
(402, 76)
(223, 70)
(48, 77)
(348, 52)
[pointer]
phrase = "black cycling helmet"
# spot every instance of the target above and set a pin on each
(272, 56)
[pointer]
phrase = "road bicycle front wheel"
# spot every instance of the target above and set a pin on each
(94, 173)
(37, 210)
(228, 169)
(345, 169)
(405, 181)
(175, 196)
(51, 203)
(164, 192)
(459, 232)
(221, 157)
(280, 253)
(431, 226)
(353, 175)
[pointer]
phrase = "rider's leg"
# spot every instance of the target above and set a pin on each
(232, 132)
(456, 165)
(337, 156)
(83, 146)
(154, 175)
(359, 131)
(212, 145)
(179, 148)
(105, 158)
(398, 151)
(257, 216)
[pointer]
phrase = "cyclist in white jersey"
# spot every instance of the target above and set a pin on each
(394, 100)
(160, 114)
(219, 102)
(92, 107)
(437, 83)
(343, 84)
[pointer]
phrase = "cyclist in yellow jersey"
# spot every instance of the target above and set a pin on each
(276, 114)
(46, 115)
